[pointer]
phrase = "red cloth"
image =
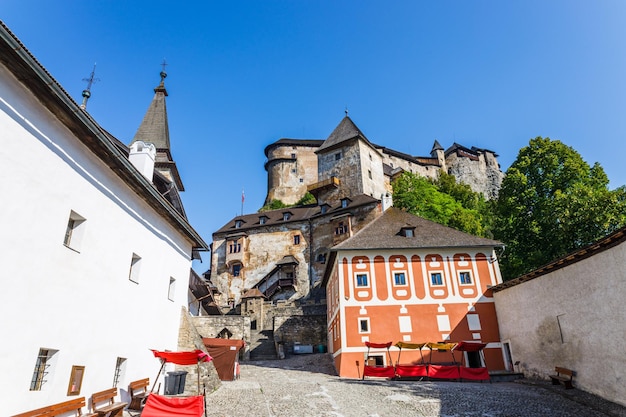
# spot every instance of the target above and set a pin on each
(162, 406)
(443, 371)
(379, 371)
(183, 358)
(476, 374)
(411, 370)
(378, 345)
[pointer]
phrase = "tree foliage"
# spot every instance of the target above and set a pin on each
(443, 201)
(552, 202)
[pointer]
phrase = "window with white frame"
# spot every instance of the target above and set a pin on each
(171, 289)
(399, 278)
(135, 264)
(436, 278)
(44, 366)
(361, 280)
(465, 277)
(74, 231)
(364, 325)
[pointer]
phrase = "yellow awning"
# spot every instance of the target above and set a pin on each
(405, 345)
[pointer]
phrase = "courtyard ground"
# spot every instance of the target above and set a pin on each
(307, 386)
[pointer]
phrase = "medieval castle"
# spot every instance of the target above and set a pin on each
(281, 254)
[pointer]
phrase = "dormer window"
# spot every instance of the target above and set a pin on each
(262, 219)
(344, 202)
(238, 224)
(323, 208)
(286, 216)
(407, 232)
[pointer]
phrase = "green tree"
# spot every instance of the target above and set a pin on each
(443, 201)
(552, 202)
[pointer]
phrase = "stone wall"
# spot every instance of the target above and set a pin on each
(238, 326)
(189, 339)
(304, 330)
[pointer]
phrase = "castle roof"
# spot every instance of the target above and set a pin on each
(385, 233)
(295, 215)
(314, 143)
(154, 127)
(436, 146)
(346, 130)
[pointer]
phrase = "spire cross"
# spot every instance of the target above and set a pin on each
(163, 73)
(346, 111)
(87, 92)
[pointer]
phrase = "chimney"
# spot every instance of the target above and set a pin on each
(142, 156)
(387, 201)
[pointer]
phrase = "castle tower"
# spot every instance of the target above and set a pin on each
(438, 152)
(348, 165)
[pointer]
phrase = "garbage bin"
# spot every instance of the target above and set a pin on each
(175, 382)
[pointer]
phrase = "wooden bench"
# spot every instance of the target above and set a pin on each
(75, 405)
(563, 376)
(112, 408)
(138, 391)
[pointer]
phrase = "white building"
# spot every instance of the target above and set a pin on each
(95, 260)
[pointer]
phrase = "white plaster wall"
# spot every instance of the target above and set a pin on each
(80, 303)
(588, 299)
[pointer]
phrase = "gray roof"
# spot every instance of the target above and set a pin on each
(154, 127)
(385, 233)
(297, 214)
(345, 131)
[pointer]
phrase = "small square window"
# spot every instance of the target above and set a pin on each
(338, 156)
(238, 224)
(262, 220)
(344, 202)
(171, 290)
(436, 279)
(74, 231)
(293, 156)
(361, 280)
(286, 216)
(135, 264)
(399, 278)
(465, 277)
(296, 239)
(364, 325)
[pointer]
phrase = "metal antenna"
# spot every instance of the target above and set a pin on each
(87, 92)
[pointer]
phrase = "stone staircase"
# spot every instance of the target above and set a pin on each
(262, 346)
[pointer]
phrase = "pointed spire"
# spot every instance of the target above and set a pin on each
(87, 91)
(346, 130)
(436, 147)
(154, 127)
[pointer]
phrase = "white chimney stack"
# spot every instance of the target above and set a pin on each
(387, 201)
(142, 156)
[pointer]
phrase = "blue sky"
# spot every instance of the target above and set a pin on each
(243, 74)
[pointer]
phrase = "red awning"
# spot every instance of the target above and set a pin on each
(183, 358)
(470, 346)
(378, 345)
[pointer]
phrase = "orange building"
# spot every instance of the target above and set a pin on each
(406, 279)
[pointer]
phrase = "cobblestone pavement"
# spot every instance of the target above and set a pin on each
(307, 386)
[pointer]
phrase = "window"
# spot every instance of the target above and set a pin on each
(465, 278)
(171, 289)
(408, 231)
(120, 371)
(234, 247)
(238, 224)
(341, 229)
(135, 263)
(323, 208)
(74, 231)
(361, 280)
(43, 368)
(337, 156)
(286, 216)
(321, 258)
(399, 278)
(236, 270)
(296, 239)
(364, 325)
(293, 156)
(369, 173)
(435, 278)
(344, 202)
(262, 219)
(76, 380)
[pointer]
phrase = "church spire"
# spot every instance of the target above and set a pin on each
(154, 127)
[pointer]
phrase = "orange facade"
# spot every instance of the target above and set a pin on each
(411, 297)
